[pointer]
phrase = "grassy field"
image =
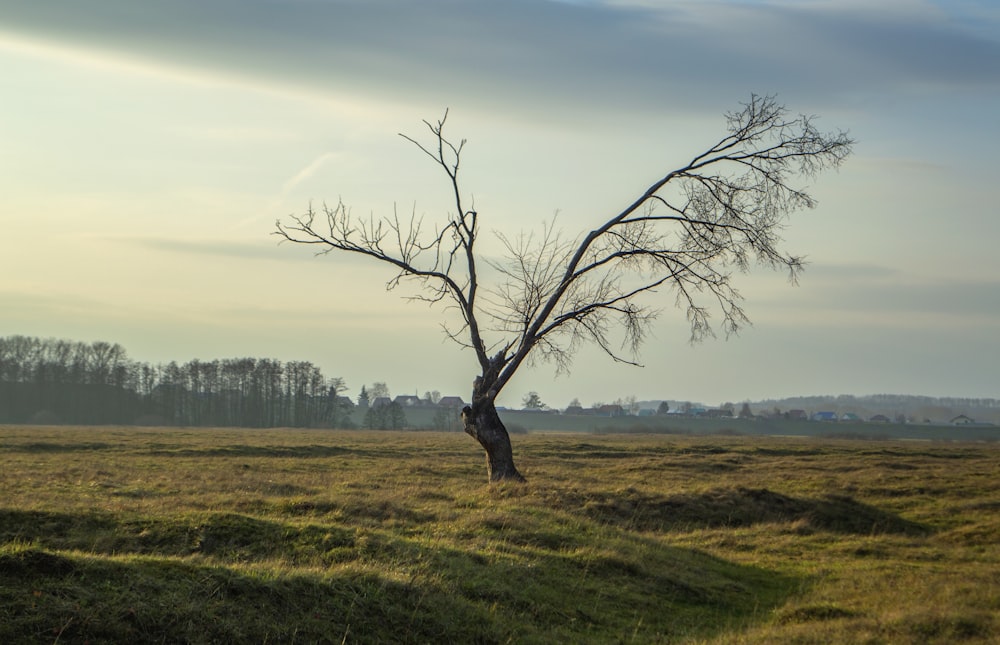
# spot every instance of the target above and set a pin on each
(285, 536)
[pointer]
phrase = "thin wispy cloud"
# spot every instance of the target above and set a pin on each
(307, 172)
(250, 251)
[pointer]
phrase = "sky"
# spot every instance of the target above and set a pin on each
(147, 149)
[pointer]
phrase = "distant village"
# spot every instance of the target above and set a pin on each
(663, 409)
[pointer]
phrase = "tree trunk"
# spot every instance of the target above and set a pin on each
(483, 424)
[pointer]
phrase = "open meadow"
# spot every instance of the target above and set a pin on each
(111, 535)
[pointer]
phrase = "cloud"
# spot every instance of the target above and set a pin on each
(974, 300)
(307, 172)
(243, 250)
(853, 295)
(533, 57)
(835, 271)
(252, 251)
(235, 134)
(27, 306)
(268, 250)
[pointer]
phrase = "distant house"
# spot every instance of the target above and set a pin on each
(962, 420)
(718, 413)
(796, 414)
(879, 418)
(451, 402)
(849, 416)
(574, 409)
(381, 401)
(408, 400)
(611, 410)
(824, 416)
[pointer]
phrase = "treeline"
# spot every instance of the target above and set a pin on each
(910, 408)
(60, 381)
(887, 401)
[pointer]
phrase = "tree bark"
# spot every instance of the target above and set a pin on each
(483, 424)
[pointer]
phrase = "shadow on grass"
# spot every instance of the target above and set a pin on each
(41, 447)
(228, 537)
(165, 450)
(99, 578)
(74, 598)
(736, 507)
(239, 450)
(50, 597)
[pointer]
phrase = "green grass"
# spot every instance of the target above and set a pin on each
(112, 535)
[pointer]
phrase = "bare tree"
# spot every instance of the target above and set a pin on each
(378, 390)
(631, 405)
(687, 233)
(532, 401)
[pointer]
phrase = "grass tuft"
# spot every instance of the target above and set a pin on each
(813, 613)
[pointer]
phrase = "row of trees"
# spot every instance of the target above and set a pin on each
(50, 380)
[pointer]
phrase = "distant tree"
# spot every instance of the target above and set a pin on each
(721, 212)
(336, 410)
(532, 401)
(385, 417)
(363, 399)
(663, 408)
(447, 419)
(373, 419)
(575, 403)
(432, 397)
(378, 390)
(745, 412)
(396, 416)
(631, 405)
